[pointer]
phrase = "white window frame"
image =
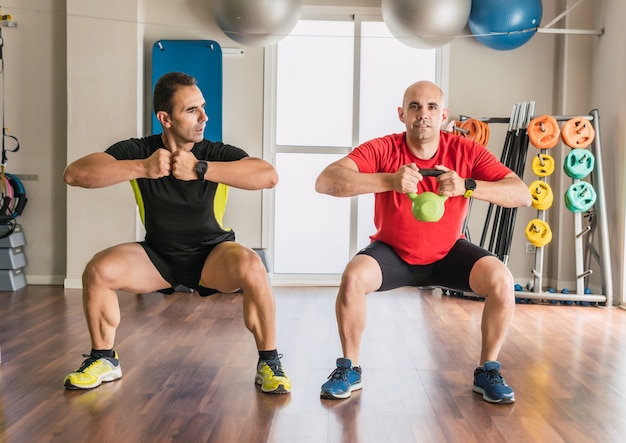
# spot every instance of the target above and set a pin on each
(356, 14)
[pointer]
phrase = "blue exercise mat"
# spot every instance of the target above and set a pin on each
(201, 59)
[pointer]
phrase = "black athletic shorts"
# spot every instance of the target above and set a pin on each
(450, 272)
(183, 270)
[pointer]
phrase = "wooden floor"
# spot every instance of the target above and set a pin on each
(189, 367)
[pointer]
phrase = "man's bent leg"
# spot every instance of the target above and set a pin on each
(121, 267)
(231, 266)
(361, 277)
(126, 267)
(491, 278)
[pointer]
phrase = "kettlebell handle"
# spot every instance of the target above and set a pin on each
(425, 173)
(430, 172)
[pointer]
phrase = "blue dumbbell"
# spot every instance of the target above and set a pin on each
(517, 288)
(587, 303)
(566, 302)
(552, 291)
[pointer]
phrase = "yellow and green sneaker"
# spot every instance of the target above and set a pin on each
(272, 377)
(95, 370)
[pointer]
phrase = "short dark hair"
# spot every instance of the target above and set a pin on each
(165, 88)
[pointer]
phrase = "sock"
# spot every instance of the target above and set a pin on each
(109, 353)
(268, 355)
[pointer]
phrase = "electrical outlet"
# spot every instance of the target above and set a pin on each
(530, 248)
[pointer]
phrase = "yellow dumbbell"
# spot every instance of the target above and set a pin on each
(541, 194)
(538, 233)
(543, 165)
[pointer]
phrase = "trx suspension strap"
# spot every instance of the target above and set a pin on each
(7, 213)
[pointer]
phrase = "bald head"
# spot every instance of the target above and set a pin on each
(424, 88)
(423, 112)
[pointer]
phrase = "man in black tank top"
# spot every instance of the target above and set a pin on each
(178, 179)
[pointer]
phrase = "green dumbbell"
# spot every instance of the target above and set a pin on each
(579, 163)
(580, 197)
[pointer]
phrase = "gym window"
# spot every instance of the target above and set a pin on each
(333, 83)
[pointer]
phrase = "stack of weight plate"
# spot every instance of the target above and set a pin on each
(12, 258)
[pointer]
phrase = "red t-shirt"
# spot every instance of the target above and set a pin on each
(415, 241)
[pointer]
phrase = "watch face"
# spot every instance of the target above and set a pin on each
(201, 168)
(470, 184)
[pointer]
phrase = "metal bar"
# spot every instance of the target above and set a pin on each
(539, 251)
(578, 251)
(464, 131)
(558, 296)
(503, 155)
(571, 31)
(605, 263)
(559, 118)
(519, 166)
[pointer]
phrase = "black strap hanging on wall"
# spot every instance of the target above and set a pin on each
(13, 195)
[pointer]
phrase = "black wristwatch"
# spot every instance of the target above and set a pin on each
(201, 168)
(470, 186)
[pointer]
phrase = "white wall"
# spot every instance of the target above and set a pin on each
(103, 83)
(76, 81)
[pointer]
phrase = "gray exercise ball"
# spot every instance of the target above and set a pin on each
(426, 24)
(256, 22)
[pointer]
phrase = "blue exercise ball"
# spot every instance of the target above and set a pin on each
(504, 24)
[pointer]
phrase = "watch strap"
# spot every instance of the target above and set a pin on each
(470, 186)
(201, 168)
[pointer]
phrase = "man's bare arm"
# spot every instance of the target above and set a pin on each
(100, 169)
(509, 192)
(248, 173)
(343, 179)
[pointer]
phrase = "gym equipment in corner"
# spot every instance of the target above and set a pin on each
(12, 202)
(543, 165)
(586, 201)
(579, 163)
(577, 132)
(544, 132)
(541, 195)
(580, 197)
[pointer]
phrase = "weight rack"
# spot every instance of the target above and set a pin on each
(584, 250)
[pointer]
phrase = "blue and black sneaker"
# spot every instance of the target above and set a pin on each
(343, 380)
(489, 382)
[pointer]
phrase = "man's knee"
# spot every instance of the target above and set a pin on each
(251, 262)
(244, 263)
(360, 280)
(490, 276)
(97, 271)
